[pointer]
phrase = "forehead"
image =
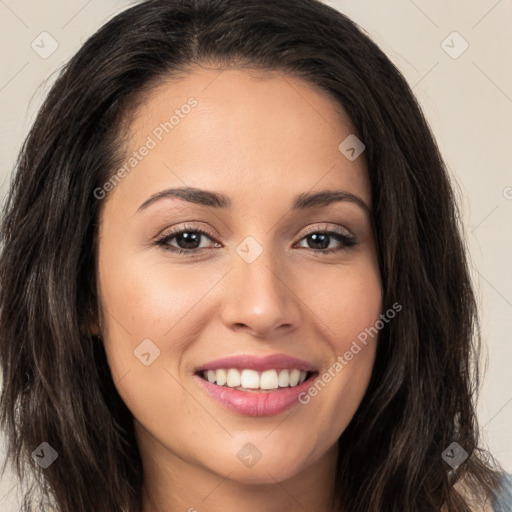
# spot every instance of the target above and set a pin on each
(254, 132)
(235, 97)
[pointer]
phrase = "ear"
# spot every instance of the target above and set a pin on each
(94, 329)
(92, 324)
(90, 329)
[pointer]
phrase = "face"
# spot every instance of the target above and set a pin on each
(276, 283)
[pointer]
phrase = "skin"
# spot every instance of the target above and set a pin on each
(261, 139)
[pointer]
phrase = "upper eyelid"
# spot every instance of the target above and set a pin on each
(327, 228)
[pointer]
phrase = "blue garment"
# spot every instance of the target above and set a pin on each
(503, 502)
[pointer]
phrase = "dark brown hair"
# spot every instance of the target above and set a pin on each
(57, 386)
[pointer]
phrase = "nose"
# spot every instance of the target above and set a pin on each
(260, 299)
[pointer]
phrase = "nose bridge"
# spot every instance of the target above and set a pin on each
(260, 296)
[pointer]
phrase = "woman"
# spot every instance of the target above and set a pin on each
(233, 274)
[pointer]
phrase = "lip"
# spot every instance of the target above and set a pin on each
(259, 363)
(254, 403)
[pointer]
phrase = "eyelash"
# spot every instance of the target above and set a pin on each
(163, 241)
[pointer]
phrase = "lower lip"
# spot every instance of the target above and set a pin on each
(254, 403)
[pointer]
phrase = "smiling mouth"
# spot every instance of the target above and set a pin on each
(252, 381)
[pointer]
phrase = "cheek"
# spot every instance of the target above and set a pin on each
(151, 313)
(148, 333)
(349, 304)
(347, 299)
(151, 300)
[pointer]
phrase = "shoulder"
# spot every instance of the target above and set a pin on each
(501, 503)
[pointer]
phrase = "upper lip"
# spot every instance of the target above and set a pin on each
(259, 363)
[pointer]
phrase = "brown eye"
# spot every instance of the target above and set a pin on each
(319, 240)
(187, 239)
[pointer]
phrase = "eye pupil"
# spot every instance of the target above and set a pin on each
(324, 240)
(188, 239)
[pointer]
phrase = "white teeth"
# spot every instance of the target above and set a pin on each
(233, 378)
(251, 379)
(269, 380)
(294, 377)
(222, 377)
(284, 379)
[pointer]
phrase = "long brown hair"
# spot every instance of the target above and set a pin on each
(57, 386)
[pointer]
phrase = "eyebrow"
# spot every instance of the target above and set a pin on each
(303, 201)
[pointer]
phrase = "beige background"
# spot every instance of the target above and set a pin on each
(467, 98)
